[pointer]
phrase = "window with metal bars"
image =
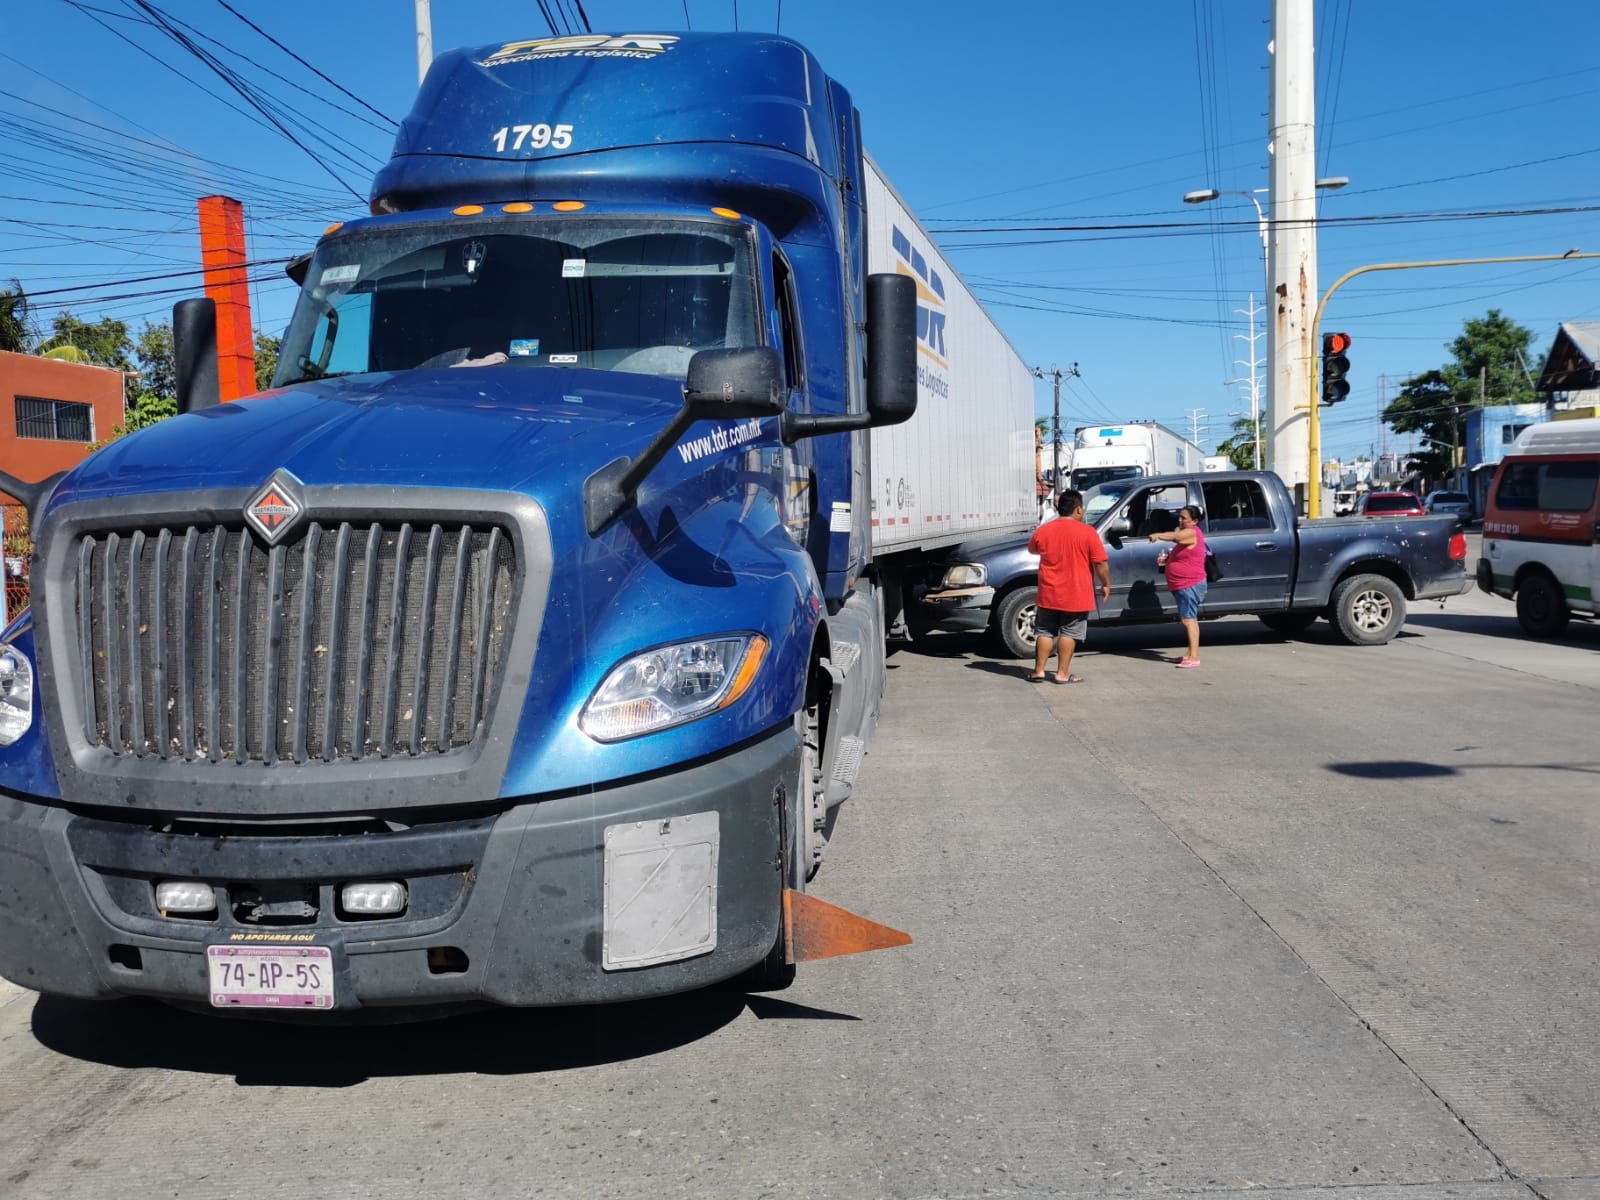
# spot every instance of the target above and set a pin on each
(54, 420)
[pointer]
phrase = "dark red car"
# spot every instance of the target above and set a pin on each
(1391, 504)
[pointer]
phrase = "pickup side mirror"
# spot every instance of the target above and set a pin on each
(1120, 528)
(728, 384)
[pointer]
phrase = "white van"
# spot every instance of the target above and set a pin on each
(1541, 531)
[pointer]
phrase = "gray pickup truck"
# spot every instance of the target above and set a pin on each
(1358, 572)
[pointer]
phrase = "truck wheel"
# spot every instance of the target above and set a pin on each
(1012, 623)
(1541, 608)
(1289, 623)
(1368, 610)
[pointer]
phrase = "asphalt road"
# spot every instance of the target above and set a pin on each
(1312, 921)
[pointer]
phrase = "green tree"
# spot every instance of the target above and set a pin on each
(158, 370)
(1491, 367)
(1240, 444)
(143, 411)
(267, 348)
(106, 342)
(17, 328)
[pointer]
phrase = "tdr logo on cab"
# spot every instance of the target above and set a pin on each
(930, 297)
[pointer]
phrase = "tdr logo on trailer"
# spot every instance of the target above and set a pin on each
(930, 314)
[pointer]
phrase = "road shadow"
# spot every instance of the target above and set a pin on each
(307, 1053)
(1580, 635)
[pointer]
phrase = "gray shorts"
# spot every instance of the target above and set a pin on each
(1054, 623)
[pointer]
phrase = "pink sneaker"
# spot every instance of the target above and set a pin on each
(1188, 664)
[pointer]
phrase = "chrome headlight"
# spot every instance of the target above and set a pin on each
(16, 694)
(671, 685)
(965, 575)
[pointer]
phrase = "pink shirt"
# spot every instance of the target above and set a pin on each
(1187, 565)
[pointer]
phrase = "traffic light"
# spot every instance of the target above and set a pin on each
(1335, 366)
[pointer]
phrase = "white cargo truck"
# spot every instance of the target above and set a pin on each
(964, 464)
(1130, 450)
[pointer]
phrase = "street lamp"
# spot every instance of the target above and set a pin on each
(1206, 195)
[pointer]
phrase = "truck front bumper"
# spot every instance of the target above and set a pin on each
(641, 889)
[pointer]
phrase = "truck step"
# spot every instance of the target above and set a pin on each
(844, 656)
(848, 761)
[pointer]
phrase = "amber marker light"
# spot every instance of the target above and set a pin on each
(334, 228)
(468, 210)
(567, 205)
(521, 206)
(727, 212)
(753, 659)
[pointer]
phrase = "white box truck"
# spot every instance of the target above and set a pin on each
(1130, 450)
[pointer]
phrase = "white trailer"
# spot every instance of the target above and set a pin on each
(1130, 450)
(964, 464)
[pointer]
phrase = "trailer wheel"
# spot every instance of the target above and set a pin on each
(1368, 610)
(1289, 623)
(1012, 622)
(1541, 608)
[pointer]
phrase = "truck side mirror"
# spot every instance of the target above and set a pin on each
(194, 354)
(1120, 528)
(891, 348)
(728, 384)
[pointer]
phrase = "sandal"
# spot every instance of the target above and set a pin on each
(1070, 679)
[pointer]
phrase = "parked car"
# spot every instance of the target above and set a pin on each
(1458, 503)
(1391, 504)
(1358, 573)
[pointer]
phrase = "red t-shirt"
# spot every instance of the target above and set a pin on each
(1066, 550)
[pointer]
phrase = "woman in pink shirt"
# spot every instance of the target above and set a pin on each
(1186, 576)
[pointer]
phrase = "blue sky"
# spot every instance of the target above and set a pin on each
(1046, 114)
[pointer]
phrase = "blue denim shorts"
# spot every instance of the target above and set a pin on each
(1189, 600)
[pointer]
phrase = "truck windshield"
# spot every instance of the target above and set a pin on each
(1085, 478)
(612, 295)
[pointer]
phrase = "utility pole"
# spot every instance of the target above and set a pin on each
(1292, 272)
(1056, 374)
(1254, 364)
(424, 40)
(1196, 416)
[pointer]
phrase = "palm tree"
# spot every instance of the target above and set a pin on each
(16, 319)
(1240, 444)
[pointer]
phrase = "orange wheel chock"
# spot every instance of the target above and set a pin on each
(815, 929)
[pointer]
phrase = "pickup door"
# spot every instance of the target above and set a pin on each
(1255, 546)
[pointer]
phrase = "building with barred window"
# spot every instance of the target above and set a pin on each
(51, 411)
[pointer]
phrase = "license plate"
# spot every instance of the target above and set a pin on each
(270, 976)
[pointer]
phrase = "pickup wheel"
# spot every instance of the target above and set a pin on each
(1289, 623)
(1368, 610)
(1541, 608)
(1012, 623)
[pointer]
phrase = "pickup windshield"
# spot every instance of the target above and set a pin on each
(618, 295)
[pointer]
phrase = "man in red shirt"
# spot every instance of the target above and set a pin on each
(1071, 558)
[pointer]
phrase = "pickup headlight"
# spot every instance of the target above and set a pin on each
(965, 575)
(671, 685)
(16, 695)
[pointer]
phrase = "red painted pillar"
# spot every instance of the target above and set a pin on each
(222, 254)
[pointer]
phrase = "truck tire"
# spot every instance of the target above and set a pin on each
(1541, 608)
(1289, 623)
(1012, 623)
(1368, 610)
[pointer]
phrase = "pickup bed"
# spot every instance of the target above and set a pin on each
(1358, 572)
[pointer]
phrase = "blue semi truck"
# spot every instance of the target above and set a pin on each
(520, 644)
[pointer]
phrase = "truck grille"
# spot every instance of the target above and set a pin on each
(345, 642)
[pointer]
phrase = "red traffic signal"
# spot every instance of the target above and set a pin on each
(1335, 366)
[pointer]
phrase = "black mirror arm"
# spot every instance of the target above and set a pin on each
(611, 489)
(797, 425)
(31, 495)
